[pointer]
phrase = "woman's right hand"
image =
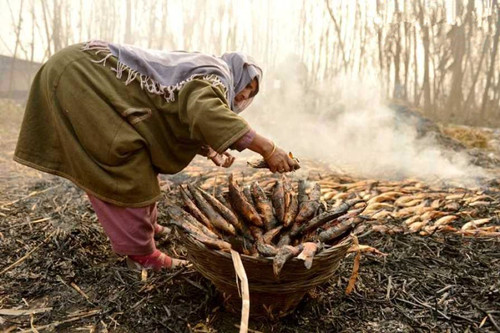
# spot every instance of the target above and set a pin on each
(276, 158)
(281, 162)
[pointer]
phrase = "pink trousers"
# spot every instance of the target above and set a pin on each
(130, 230)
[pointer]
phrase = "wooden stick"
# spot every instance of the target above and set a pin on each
(30, 195)
(245, 293)
(79, 290)
(249, 330)
(74, 286)
(355, 268)
(33, 328)
(493, 321)
(20, 260)
(17, 312)
(31, 222)
(70, 319)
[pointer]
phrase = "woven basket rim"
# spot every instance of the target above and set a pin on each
(330, 259)
(324, 253)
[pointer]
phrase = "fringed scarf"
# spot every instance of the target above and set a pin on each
(165, 73)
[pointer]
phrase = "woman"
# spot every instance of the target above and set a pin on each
(112, 117)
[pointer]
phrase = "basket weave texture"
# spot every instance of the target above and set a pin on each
(270, 297)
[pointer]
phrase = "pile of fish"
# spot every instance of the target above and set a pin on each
(289, 220)
(411, 206)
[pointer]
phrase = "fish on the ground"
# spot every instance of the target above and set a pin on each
(475, 223)
(365, 249)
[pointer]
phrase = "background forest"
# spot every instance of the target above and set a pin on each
(440, 56)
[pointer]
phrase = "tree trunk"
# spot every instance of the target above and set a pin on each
(426, 41)
(56, 25)
(455, 97)
(128, 24)
(416, 92)
(492, 70)
(46, 19)
(471, 96)
(397, 92)
(339, 35)
(152, 23)
(18, 42)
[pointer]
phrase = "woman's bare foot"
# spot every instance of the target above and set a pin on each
(156, 261)
(161, 231)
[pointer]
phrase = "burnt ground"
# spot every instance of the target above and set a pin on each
(56, 258)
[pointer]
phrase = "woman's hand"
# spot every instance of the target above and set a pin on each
(224, 160)
(277, 159)
(280, 161)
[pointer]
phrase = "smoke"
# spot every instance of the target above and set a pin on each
(345, 124)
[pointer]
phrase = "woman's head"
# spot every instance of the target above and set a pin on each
(246, 77)
(243, 99)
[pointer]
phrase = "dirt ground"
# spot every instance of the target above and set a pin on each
(57, 264)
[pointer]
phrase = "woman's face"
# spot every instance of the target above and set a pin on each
(248, 92)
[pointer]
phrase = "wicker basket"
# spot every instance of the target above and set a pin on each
(270, 297)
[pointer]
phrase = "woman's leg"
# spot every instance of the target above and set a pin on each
(159, 230)
(130, 230)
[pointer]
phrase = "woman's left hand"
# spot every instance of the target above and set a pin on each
(224, 160)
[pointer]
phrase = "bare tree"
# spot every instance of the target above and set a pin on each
(152, 23)
(339, 35)
(128, 24)
(426, 43)
(492, 70)
(18, 42)
(380, 42)
(56, 25)
(46, 20)
(455, 96)
(397, 93)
